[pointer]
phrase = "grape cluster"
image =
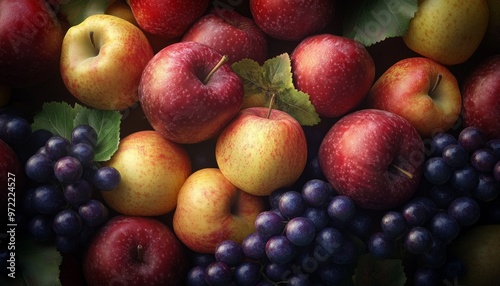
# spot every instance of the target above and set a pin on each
(59, 203)
(307, 235)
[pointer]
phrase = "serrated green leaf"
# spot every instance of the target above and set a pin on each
(252, 75)
(372, 21)
(379, 272)
(76, 11)
(278, 73)
(57, 117)
(297, 103)
(107, 125)
(38, 262)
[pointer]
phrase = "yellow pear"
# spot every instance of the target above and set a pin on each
(447, 31)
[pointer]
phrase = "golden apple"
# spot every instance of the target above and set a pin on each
(447, 31)
(152, 171)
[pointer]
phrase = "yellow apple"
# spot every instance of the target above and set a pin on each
(447, 31)
(152, 171)
(211, 209)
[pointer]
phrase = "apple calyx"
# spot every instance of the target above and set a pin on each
(436, 83)
(222, 61)
(140, 253)
(408, 174)
(92, 41)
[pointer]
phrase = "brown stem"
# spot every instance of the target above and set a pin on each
(91, 36)
(271, 103)
(410, 175)
(438, 80)
(140, 253)
(217, 66)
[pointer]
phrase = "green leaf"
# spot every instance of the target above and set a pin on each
(274, 77)
(57, 117)
(372, 21)
(107, 125)
(379, 272)
(38, 262)
(76, 11)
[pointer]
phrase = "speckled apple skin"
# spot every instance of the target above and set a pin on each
(358, 151)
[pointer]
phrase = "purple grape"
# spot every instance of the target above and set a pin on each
(464, 180)
(218, 273)
(40, 227)
(494, 145)
(455, 156)
(83, 152)
(84, 134)
(415, 213)
(247, 273)
(78, 192)
(426, 277)
(472, 138)
(496, 171)
(418, 240)
(196, 276)
(465, 210)
(279, 249)
(254, 246)
(268, 224)
(330, 239)
(348, 254)
(444, 227)
(332, 274)
(298, 279)
(277, 272)
(442, 195)
(275, 196)
(435, 256)
(483, 160)
(57, 147)
(202, 259)
(68, 244)
(291, 204)
(317, 192)
(68, 170)
(106, 178)
(39, 168)
(300, 231)
(487, 189)
(393, 224)
(318, 216)
(93, 213)
(229, 252)
(439, 142)
(380, 245)
(341, 209)
(362, 224)
(67, 223)
(48, 199)
(436, 171)
(16, 130)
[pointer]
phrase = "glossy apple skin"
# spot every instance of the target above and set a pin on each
(111, 257)
(152, 171)
(407, 89)
(230, 34)
(11, 180)
(210, 209)
(291, 20)
(433, 31)
(359, 153)
(175, 100)
(481, 97)
(91, 76)
(167, 18)
(335, 71)
(30, 42)
(259, 154)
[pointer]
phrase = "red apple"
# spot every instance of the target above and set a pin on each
(422, 91)
(167, 18)
(11, 180)
(230, 34)
(373, 156)
(181, 100)
(335, 71)
(210, 209)
(30, 42)
(481, 97)
(291, 20)
(130, 250)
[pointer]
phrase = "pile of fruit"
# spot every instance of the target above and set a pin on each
(283, 142)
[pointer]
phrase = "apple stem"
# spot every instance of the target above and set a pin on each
(410, 175)
(438, 80)
(217, 66)
(271, 103)
(91, 35)
(140, 253)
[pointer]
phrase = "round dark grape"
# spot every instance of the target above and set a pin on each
(472, 138)
(455, 156)
(496, 171)
(16, 130)
(318, 216)
(317, 192)
(464, 179)
(341, 209)
(332, 274)
(279, 249)
(247, 273)
(298, 279)
(362, 224)
(483, 160)
(418, 240)
(436, 171)
(487, 189)
(68, 170)
(48, 199)
(465, 210)
(83, 152)
(442, 195)
(254, 246)
(436, 255)
(68, 244)
(40, 227)
(300, 231)
(196, 276)
(330, 239)
(275, 196)
(67, 223)
(444, 227)
(78, 192)
(439, 142)
(291, 204)
(393, 224)
(39, 168)
(426, 277)
(494, 145)
(229, 252)
(276, 272)
(106, 178)
(415, 213)
(218, 273)
(268, 224)
(57, 147)
(380, 245)
(84, 134)
(348, 254)
(202, 259)
(93, 213)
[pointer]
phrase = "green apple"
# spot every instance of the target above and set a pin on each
(102, 60)
(210, 209)
(447, 31)
(152, 170)
(260, 153)
(479, 249)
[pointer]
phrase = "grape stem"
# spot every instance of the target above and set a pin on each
(222, 61)
(271, 103)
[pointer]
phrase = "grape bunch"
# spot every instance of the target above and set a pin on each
(60, 202)
(307, 235)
